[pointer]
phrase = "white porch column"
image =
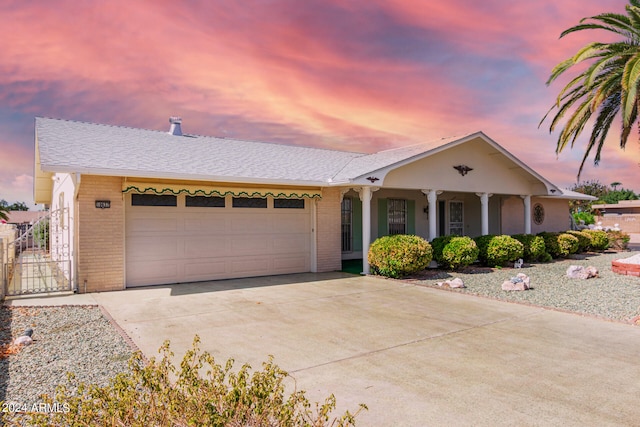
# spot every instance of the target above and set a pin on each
(432, 198)
(365, 196)
(527, 214)
(484, 201)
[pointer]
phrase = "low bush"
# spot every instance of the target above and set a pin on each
(159, 394)
(551, 243)
(503, 249)
(459, 252)
(599, 239)
(534, 247)
(483, 244)
(438, 244)
(568, 244)
(399, 255)
(618, 240)
(586, 217)
(584, 241)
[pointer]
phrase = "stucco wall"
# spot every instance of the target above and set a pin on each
(512, 215)
(629, 223)
(556, 215)
(329, 245)
(100, 235)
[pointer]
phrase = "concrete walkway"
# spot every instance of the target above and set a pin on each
(416, 356)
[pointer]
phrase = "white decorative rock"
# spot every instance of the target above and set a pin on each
(580, 272)
(23, 340)
(521, 282)
(454, 283)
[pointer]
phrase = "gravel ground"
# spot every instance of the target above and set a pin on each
(76, 339)
(610, 296)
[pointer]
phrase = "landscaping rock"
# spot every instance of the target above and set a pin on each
(521, 282)
(453, 283)
(581, 272)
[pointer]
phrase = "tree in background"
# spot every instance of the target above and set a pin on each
(3, 213)
(606, 88)
(17, 206)
(604, 193)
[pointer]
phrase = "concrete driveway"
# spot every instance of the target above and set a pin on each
(416, 356)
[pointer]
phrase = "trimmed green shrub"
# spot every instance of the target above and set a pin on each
(534, 247)
(568, 244)
(503, 249)
(584, 241)
(483, 243)
(399, 255)
(158, 393)
(599, 239)
(459, 252)
(438, 245)
(587, 217)
(618, 240)
(551, 243)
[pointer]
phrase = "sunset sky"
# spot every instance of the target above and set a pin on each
(353, 75)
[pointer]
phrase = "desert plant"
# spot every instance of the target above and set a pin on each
(599, 239)
(618, 240)
(157, 393)
(584, 241)
(534, 247)
(503, 249)
(399, 255)
(568, 244)
(459, 252)
(483, 243)
(551, 243)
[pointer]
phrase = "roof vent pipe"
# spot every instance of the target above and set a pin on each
(175, 128)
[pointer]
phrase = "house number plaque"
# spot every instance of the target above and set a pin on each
(103, 204)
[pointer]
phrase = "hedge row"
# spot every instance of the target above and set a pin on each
(400, 255)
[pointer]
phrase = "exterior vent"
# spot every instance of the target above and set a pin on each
(175, 128)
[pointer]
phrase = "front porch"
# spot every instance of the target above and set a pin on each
(368, 213)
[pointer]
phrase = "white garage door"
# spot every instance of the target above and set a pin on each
(177, 239)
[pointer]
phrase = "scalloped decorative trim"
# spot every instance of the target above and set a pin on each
(220, 193)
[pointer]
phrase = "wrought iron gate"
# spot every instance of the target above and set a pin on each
(39, 260)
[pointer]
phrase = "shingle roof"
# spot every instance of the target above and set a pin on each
(71, 146)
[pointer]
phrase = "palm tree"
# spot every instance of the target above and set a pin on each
(3, 213)
(607, 87)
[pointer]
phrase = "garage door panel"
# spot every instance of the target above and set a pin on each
(212, 225)
(290, 244)
(290, 224)
(152, 247)
(204, 247)
(153, 225)
(249, 266)
(249, 245)
(290, 264)
(195, 271)
(152, 272)
(245, 223)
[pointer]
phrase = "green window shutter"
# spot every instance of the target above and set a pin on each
(411, 217)
(356, 221)
(383, 227)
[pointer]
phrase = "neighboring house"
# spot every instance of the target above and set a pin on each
(150, 207)
(23, 219)
(625, 214)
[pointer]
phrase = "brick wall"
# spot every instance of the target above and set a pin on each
(100, 235)
(328, 231)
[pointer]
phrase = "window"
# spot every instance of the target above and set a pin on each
(288, 203)
(456, 218)
(205, 202)
(538, 213)
(397, 216)
(248, 202)
(153, 200)
(347, 224)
